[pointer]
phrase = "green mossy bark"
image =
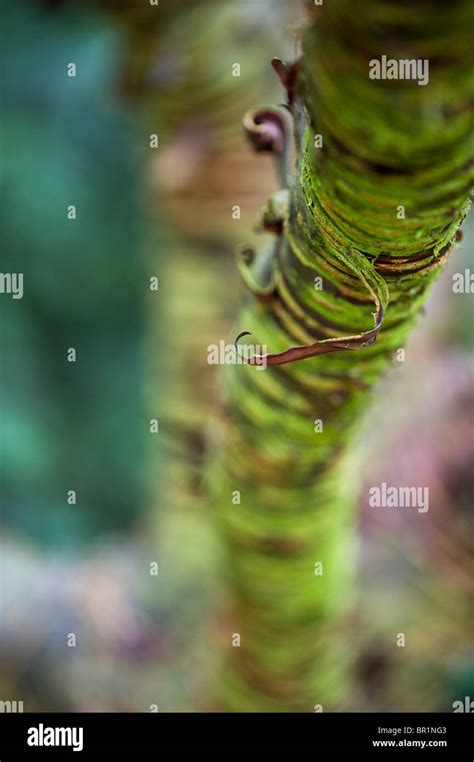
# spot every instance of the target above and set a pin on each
(386, 143)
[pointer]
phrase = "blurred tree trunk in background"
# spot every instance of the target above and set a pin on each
(179, 71)
(375, 204)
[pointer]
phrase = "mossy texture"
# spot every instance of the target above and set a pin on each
(387, 146)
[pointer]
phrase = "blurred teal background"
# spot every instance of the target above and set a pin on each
(68, 140)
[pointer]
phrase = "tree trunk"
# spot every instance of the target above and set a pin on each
(374, 206)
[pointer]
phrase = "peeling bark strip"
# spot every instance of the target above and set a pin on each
(373, 213)
(379, 292)
(266, 130)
